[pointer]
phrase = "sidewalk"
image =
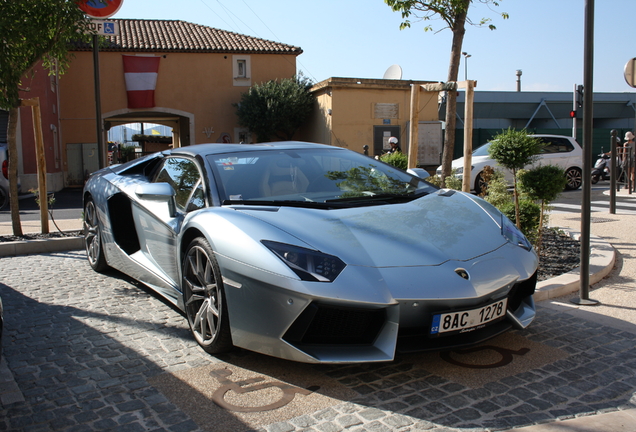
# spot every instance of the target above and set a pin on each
(35, 227)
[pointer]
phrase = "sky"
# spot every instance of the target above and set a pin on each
(362, 39)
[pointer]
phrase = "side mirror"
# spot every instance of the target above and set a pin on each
(418, 172)
(161, 192)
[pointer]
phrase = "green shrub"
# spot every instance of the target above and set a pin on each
(397, 159)
(543, 184)
(452, 181)
(497, 192)
(529, 215)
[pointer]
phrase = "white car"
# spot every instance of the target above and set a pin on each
(559, 150)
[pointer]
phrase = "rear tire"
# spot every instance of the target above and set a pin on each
(204, 298)
(93, 237)
(574, 177)
(595, 178)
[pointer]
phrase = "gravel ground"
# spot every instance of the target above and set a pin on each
(559, 252)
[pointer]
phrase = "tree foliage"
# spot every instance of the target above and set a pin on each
(454, 15)
(32, 31)
(445, 10)
(275, 110)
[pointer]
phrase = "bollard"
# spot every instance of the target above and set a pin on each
(614, 156)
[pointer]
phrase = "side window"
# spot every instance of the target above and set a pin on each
(184, 177)
(557, 145)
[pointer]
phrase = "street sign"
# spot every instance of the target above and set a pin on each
(100, 8)
(104, 28)
(630, 72)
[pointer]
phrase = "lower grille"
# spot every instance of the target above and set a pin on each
(326, 324)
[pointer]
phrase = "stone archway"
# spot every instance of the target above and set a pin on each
(82, 157)
(181, 122)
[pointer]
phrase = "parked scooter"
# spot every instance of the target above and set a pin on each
(601, 169)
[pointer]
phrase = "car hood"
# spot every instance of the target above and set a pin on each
(428, 231)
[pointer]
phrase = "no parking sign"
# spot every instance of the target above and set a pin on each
(100, 8)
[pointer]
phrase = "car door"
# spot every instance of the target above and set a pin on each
(158, 221)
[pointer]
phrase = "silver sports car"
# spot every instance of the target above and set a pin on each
(310, 252)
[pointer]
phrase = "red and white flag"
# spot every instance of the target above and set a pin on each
(140, 74)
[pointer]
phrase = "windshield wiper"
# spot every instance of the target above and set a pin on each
(382, 197)
(278, 203)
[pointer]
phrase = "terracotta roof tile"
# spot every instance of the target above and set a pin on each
(180, 36)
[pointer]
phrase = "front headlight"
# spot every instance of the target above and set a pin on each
(513, 234)
(309, 265)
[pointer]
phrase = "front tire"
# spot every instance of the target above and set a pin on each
(93, 237)
(480, 184)
(204, 298)
(574, 178)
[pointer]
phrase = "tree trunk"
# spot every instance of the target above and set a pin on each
(13, 171)
(515, 193)
(451, 99)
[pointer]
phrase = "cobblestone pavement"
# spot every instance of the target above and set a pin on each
(88, 352)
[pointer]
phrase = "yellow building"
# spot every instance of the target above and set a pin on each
(355, 113)
(197, 73)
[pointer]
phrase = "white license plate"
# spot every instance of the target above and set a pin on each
(468, 320)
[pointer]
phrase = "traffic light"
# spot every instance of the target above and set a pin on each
(579, 95)
(573, 114)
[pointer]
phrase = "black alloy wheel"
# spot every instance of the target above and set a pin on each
(574, 178)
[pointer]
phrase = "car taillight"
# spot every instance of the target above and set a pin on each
(5, 169)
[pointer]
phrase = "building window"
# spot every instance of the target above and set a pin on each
(241, 70)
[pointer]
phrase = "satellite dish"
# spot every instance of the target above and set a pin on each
(393, 72)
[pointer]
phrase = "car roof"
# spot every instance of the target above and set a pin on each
(205, 149)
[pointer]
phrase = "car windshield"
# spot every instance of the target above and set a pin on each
(482, 150)
(311, 176)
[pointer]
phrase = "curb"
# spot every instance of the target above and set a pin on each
(602, 260)
(29, 247)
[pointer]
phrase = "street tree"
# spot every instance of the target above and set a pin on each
(454, 15)
(276, 109)
(515, 149)
(33, 32)
(543, 183)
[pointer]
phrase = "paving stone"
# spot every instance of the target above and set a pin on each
(81, 358)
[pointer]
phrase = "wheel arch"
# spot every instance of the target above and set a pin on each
(189, 235)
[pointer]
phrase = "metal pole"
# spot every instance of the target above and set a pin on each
(629, 164)
(613, 157)
(588, 117)
(98, 103)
